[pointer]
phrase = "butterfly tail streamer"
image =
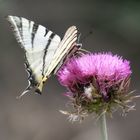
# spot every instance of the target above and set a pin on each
(37, 90)
(83, 50)
(24, 92)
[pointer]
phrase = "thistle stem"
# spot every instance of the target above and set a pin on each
(103, 128)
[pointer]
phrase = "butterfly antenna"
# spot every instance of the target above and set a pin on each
(83, 51)
(87, 35)
(78, 37)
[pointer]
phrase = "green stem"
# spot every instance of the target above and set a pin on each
(103, 128)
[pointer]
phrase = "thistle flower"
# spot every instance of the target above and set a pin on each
(97, 83)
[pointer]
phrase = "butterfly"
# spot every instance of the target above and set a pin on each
(45, 52)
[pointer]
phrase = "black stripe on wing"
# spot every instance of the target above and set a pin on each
(71, 53)
(34, 30)
(75, 36)
(20, 26)
(45, 52)
(46, 31)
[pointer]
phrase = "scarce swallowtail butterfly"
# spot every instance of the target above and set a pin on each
(44, 51)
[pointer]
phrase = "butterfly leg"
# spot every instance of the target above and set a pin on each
(83, 51)
(80, 50)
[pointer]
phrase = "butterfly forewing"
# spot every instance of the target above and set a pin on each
(66, 45)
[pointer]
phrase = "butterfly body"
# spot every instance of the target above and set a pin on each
(45, 52)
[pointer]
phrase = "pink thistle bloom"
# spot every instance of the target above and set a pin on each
(96, 81)
(106, 68)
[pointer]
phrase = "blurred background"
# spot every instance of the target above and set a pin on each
(116, 28)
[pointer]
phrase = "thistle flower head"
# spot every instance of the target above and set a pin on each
(97, 82)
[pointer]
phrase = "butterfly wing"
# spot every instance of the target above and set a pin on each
(39, 44)
(66, 48)
(66, 45)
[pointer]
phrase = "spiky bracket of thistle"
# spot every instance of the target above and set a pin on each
(97, 83)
